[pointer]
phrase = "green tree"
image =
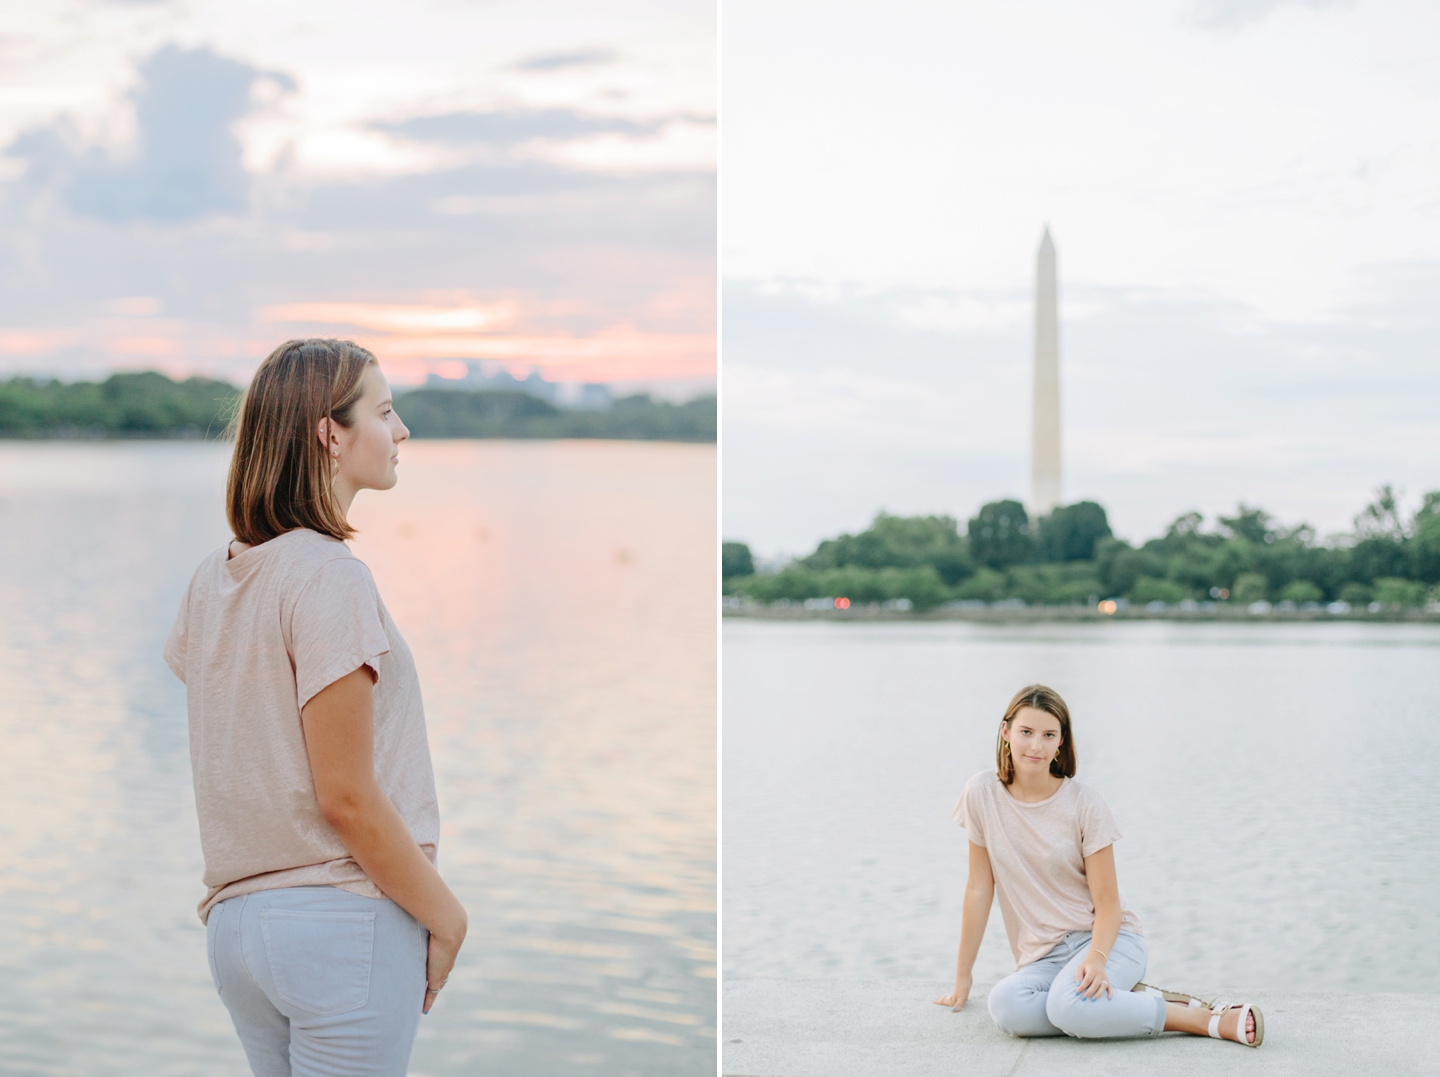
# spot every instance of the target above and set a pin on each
(1377, 557)
(1070, 532)
(1149, 589)
(794, 582)
(1300, 592)
(1000, 535)
(1249, 587)
(1120, 565)
(735, 561)
(1392, 591)
(25, 408)
(1425, 539)
(1357, 594)
(1381, 518)
(1252, 525)
(986, 585)
(1062, 584)
(900, 542)
(921, 585)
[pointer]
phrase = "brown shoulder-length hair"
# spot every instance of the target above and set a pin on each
(281, 474)
(1049, 701)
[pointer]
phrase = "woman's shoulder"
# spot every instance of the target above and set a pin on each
(305, 552)
(974, 805)
(313, 546)
(1086, 796)
(985, 783)
(204, 579)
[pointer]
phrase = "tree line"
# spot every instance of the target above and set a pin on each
(135, 405)
(1071, 557)
(150, 405)
(506, 413)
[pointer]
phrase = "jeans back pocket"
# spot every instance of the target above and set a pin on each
(320, 961)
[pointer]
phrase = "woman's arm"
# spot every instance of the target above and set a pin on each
(1105, 896)
(340, 740)
(979, 894)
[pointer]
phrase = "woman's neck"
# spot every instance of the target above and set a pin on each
(1032, 787)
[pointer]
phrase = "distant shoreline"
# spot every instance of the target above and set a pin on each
(148, 406)
(80, 438)
(1000, 614)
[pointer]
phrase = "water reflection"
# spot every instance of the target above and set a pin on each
(559, 601)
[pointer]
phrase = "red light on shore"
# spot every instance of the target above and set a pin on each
(842, 603)
(1107, 607)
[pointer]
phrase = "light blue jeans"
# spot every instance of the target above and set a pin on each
(1043, 999)
(320, 982)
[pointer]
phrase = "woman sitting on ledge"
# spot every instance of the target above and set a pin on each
(1044, 842)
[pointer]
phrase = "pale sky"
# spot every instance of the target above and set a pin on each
(1245, 198)
(184, 185)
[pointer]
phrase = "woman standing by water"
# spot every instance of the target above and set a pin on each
(1045, 844)
(329, 929)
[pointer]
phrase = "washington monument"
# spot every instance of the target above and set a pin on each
(1045, 429)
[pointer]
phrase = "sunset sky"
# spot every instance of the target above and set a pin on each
(185, 185)
(1245, 199)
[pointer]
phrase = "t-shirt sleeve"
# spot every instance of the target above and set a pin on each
(968, 815)
(177, 646)
(336, 627)
(1097, 825)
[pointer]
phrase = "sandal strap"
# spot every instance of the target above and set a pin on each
(1215, 1025)
(1174, 996)
(1244, 1009)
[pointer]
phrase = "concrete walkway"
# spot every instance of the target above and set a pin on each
(789, 1028)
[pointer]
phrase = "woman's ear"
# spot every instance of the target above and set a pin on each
(323, 430)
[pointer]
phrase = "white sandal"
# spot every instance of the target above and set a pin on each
(1217, 1007)
(1220, 1007)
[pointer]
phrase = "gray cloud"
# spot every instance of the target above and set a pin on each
(605, 244)
(507, 127)
(575, 58)
(1232, 14)
(186, 162)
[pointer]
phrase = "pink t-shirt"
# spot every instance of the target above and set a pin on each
(1037, 854)
(257, 636)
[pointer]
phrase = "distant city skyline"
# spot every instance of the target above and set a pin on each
(1251, 242)
(183, 187)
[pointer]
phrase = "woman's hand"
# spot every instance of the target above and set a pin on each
(957, 998)
(1091, 977)
(438, 963)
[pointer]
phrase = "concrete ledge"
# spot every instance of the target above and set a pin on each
(819, 1028)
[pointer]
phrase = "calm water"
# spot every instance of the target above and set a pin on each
(559, 602)
(1278, 786)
